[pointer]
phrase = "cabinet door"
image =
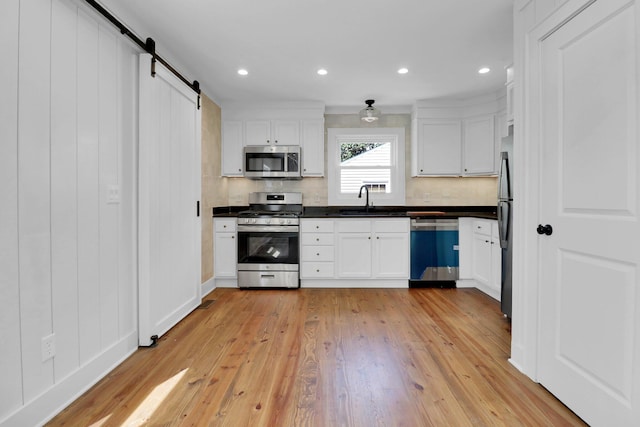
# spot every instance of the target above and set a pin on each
(465, 247)
(285, 132)
(439, 147)
(232, 148)
(312, 143)
(496, 258)
(257, 132)
(224, 255)
(479, 146)
(482, 258)
(391, 255)
(354, 255)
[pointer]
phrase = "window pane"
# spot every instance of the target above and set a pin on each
(365, 154)
(378, 180)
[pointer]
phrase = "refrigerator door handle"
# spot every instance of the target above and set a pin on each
(503, 223)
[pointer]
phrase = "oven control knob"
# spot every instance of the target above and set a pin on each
(253, 220)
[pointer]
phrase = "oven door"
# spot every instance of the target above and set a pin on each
(265, 247)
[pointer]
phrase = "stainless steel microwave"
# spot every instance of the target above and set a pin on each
(272, 161)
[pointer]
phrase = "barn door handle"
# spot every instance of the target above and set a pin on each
(545, 229)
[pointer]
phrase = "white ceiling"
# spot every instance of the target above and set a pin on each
(361, 43)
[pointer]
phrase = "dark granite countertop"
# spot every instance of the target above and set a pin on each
(488, 212)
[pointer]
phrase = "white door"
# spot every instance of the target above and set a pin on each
(169, 188)
(589, 314)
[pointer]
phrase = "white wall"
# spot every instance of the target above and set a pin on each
(67, 252)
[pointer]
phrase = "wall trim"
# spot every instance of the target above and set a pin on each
(207, 287)
(48, 404)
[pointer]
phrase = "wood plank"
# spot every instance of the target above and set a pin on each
(34, 197)
(329, 357)
(11, 354)
(64, 187)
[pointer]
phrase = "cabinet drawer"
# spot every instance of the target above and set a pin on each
(317, 270)
(317, 253)
(322, 239)
(225, 225)
(482, 227)
(316, 226)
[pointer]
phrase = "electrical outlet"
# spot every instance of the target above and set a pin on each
(113, 194)
(48, 347)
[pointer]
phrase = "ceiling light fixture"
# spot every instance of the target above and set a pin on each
(484, 70)
(243, 72)
(369, 114)
(403, 70)
(322, 72)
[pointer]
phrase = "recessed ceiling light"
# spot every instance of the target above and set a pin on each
(403, 70)
(243, 72)
(484, 70)
(322, 72)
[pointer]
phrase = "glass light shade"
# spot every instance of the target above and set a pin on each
(369, 114)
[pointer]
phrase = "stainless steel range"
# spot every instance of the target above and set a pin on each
(269, 241)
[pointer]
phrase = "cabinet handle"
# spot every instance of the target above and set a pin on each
(318, 254)
(317, 239)
(378, 238)
(233, 237)
(369, 237)
(276, 141)
(486, 241)
(268, 142)
(317, 270)
(317, 226)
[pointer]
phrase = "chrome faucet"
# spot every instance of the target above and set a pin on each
(366, 206)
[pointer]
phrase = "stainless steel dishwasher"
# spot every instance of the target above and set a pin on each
(434, 252)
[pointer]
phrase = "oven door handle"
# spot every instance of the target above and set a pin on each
(268, 228)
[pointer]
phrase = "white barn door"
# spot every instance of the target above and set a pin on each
(589, 276)
(168, 191)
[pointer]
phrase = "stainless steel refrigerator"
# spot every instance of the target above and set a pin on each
(505, 221)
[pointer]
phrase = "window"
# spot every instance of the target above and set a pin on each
(370, 157)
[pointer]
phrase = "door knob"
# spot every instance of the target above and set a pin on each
(545, 229)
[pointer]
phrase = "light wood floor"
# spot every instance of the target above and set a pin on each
(326, 357)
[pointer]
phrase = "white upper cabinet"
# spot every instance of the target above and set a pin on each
(289, 123)
(312, 142)
(257, 132)
(232, 144)
(457, 138)
(479, 146)
(276, 132)
(438, 150)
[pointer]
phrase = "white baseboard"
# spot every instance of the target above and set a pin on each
(207, 287)
(45, 406)
(226, 283)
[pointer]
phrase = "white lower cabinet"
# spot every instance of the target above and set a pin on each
(317, 249)
(341, 251)
(224, 251)
(480, 255)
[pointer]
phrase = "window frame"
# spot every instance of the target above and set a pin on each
(396, 136)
